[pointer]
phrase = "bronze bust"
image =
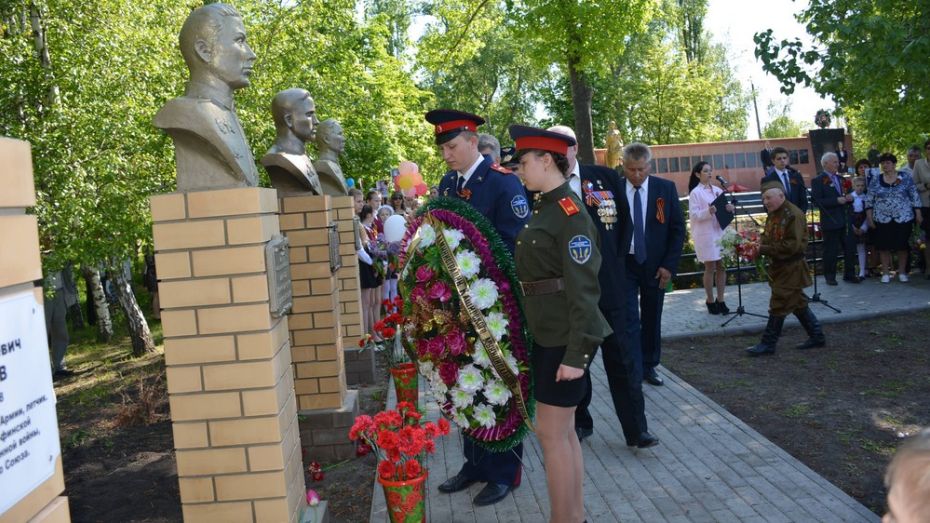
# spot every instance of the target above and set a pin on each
(210, 147)
(288, 166)
(330, 142)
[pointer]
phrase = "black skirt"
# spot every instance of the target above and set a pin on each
(368, 278)
(892, 236)
(545, 363)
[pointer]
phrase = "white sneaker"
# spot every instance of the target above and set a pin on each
(903, 277)
(886, 278)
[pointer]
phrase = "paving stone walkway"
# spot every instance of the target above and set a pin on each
(710, 466)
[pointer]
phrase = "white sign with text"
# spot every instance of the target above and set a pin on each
(28, 422)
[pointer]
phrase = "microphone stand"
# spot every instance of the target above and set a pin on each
(812, 235)
(740, 309)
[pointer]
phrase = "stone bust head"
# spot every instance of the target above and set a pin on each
(214, 47)
(294, 114)
(330, 141)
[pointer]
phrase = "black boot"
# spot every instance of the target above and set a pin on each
(811, 324)
(769, 337)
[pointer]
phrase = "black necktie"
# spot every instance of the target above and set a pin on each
(787, 184)
(460, 184)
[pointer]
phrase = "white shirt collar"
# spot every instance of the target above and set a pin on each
(471, 170)
(574, 180)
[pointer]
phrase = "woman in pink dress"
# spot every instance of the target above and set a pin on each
(706, 234)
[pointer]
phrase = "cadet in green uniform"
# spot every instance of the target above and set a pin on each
(557, 263)
(784, 243)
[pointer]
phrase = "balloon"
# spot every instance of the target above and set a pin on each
(417, 179)
(350, 183)
(407, 168)
(409, 193)
(422, 189)
(394, 228)
(405, 181)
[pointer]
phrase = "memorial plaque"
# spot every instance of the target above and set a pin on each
(277, 260)
(335, 260)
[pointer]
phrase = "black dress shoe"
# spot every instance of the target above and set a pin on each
(712, 308)
(456, 483)
(583, 432)
(722, 307)
(851, 279)
(832, 282)
(645, 441)
(652, 377)
(491, 494)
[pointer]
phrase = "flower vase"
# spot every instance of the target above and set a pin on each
(405, 500)
(405, 382)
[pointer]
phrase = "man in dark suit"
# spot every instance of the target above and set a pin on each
(653, 249)
(599, 188)
(828, 194)
(497, 194)
(791, 180)
(766, 156)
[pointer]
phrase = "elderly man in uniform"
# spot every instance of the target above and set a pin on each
(784, 242)
(498, 195)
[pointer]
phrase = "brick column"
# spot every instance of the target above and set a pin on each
(230, 384)
(326, 408)
(360, 366)
(20, 266)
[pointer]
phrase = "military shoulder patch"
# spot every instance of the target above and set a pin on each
(579, 248)
(519, 205)
(500, 168)
(568, 205)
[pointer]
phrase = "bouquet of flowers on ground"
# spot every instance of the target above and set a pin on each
(399, 440)
(464, 322)
(388, 328)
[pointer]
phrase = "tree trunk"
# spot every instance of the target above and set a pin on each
(41, 45)
(581, 107)
(138, 328)
(99, 299)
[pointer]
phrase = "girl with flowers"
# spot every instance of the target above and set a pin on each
(557, 263)
(370, 278)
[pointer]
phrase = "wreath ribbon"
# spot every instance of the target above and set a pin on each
(477, 320)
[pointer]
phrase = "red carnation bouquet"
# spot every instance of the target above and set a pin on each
(399, 439)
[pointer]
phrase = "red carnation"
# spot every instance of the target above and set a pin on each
(362, 449)
(412, 469)
(386, 469)
(362, 424)
(443, 426)
(317, 476)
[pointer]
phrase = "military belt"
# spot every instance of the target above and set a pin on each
(789, 259)
(538, 288)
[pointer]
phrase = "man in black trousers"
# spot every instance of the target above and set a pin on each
(829, 195)
(599, 188)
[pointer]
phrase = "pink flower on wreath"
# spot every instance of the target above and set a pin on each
(435, 347)
(440, 291)
(455, 342)
(449, 373)
(422, 348)
(417, 294)
(424, 274)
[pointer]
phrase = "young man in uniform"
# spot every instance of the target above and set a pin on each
(497, 194)
(784, 241)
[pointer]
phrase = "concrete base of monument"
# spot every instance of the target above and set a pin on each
(319, 515)
(360, 366)
(324, 433)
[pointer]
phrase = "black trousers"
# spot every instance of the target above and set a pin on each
(492, 467)
(644, 300)
(625, 379)
(835, 240)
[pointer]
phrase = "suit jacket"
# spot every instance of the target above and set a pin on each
(613, 264)
(497, 194)
(798, 190)
(824, 195)
(766, 157)
(664, 239)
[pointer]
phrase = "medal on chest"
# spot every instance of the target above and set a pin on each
(604, 202)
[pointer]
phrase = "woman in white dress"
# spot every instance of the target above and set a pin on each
(706, 234)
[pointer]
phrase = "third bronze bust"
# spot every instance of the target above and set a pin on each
(330, 143)
(210, 148)
(288, 166)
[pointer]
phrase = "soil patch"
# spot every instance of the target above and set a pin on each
(842, 410)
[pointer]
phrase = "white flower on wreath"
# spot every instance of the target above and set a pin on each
(439, 387)
(480, 356)
(470, 379)
(453, 237)
(459, 418)
(497, 324)
(426, 368)
(427, 236)
(497, 393)
(483, 293)
(460, 398)
(511, 364)
(484, 415)
(469, 263)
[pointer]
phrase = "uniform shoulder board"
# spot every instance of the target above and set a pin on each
(568, 205)
(500, 168)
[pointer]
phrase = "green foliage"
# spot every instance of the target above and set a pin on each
(870, 56)
(782, 127)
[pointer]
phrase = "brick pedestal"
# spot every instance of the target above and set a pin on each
(20, 266)
(350, 298)
(230, 385)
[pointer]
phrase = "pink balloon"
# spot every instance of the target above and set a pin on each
(406, 167)
(410, 193)
(421, 189)
(417, 179)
